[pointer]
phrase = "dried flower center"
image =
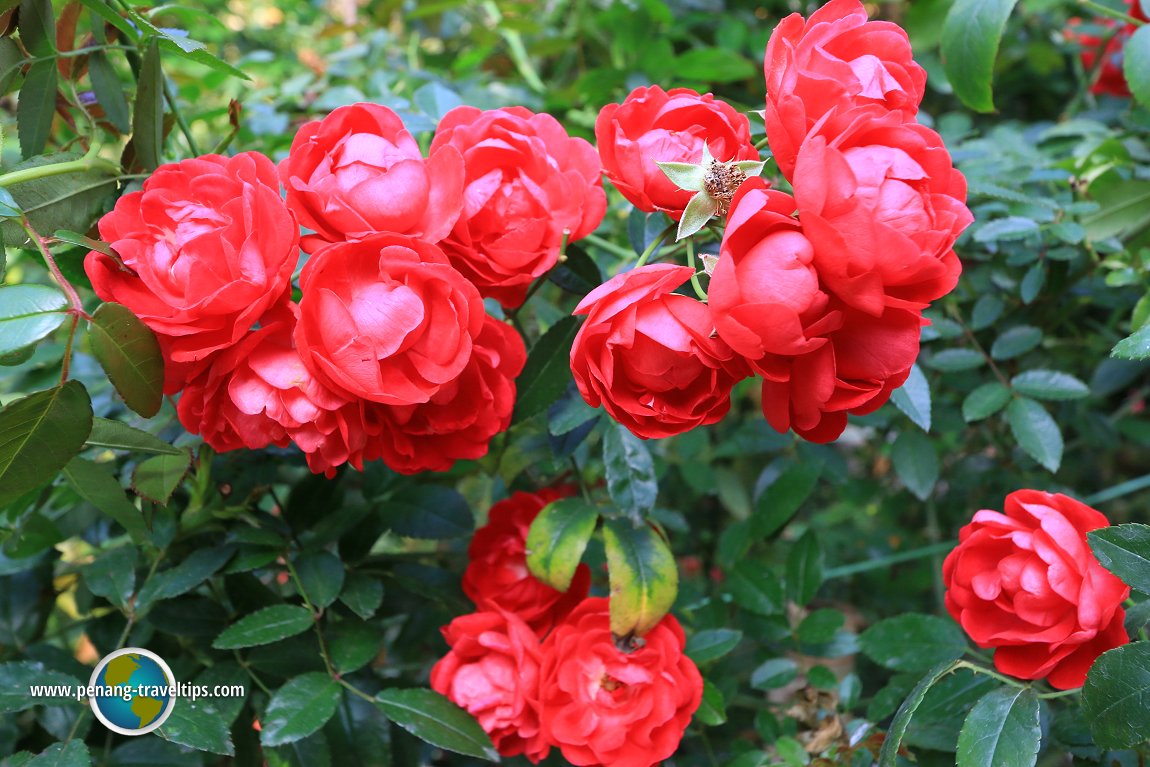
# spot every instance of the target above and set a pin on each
(722, 180)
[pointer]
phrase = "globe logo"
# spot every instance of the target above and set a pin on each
(133, 691)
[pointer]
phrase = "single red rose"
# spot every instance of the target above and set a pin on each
(653, 125)
(834, 61)
(386, 319)
(497, 576)
(527, 182)
(649, 356)
(882, 205)
(1109, 77)
(1026, 583)
(492, 671)
(603, 706)
(358, 171)
(205, 249)
(460, 419)
(764, 293)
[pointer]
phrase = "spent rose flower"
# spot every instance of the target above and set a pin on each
(358, 171)
(497, 576)
(649, 356)
(882, 205)
(386, 319)
(492, 671)
(1027, 584)
(652, 126)
(764, 293)
(204, 250)
(527, 182)
(835, 60)
(604, 706)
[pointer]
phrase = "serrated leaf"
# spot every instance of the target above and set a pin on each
(1136, 346)
(71, 754)
(299, 708)
(970, 37)
(755, 588)
(37, 107)
(630, 470)
(1136, 64)
(956, 360)
(353, 644)
(130, 354)
(548, 370)
(913, 642)
(96, 484)
(194, 50)
(112, 575)
(712, 709)
(774, 673)
(781, 500)
(1002, 730)
(916, 463)
(15, 679)
(805, 563)
(429, 511)
(985, 401)
(888, 756)
(362, 594)
(148, 114)
(1036, 432)
(1049, 385)
(200, 725)
(109, 91)
(1124, 209)
(913, 398)
(643, 576)
(68, 201)
(1125, 551)
(436, 720)
(39, 434)
(321, 574)
(271, 624)
(116, 435)
(557, 539)
(1015, 342)
(712, 644)
(29, 313)
(1116, 696)
(185, 576)
(156, 478)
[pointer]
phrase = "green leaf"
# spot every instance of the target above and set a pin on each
(70, 201)
(148, 115)
(956, 360)
(548, 370)
(265, 626)
(38, 27)
(187, 575)
(429, 511)
(435, 100)
(322, 574)
(782, 499)
(986, 312)
(96, 484)
(714, 65)
(985, 401)
(1002, 730)
(888, 756)
(1124, 209)
(1136, 64)
(643, 576)
(684, 175)
(557, 539)
(820, 626)
(712, 644)
(1032, 282)
(156, 478)
(83, 241)
(299, 708)
(362, 594)
(1125, 551)
(436, 720)
(804, 568)
(10, 59)
(1116, 696)
(129, 353)
(1016, 342)
(39, 434)
(17, 677)
(712, 710)
(37, 107)
(578, 274)
(1136, 346)
(700, 208)
(1049, 385)
(913, 642)
(353, 644)
(1009, 228)
(71, 754)
(194, 50)
(1036, 432)
(756, 589)
(916, 463)
(630, 471)
(113, 575)
(109, 91)
(117, 435)
(970, 38)
(913, 398)
(201, 725)
(774, 673)
(29, 313)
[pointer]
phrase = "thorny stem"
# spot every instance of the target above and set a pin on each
(702, 294)
(69, 291)
(1012, 681)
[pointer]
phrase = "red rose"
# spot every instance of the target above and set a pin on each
(460, 419)
(1026, 583)
(882, 205)
(493, 672)
(855, 372)
(204, 250)
(603, 706)
(764, 293)
(1110, 78)
(836, 60)
(526, 182)
(358, 171)
(653, 125)
(648, 355)
(386, 319)
(497, 577)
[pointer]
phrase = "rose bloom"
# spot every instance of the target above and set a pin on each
(526, 182)
(653, 125)
(358, 171)
(497, 577)
(855, 372)
(764, 293)
(836, 60)
(603, 706)
(492, 671)
(460, 419)
(386, 319)
(1026, 583)
(205, 248)
(1110, 78)
(882, 205)
(649, 356)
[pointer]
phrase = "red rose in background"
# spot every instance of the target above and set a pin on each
(602, 706)
(836, 60)
(386, 319)
(648, 355)
(764, 293)
(493, 672)
(497, 576)
(460, 419)
(526, 182)
(1110, 78)
(1026, 583)
(653, 125)
(358, 171)
(205, 249)
(882, 205)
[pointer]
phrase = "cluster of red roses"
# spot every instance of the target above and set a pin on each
(821, 293)
(539, 668)
(389, 353)
(1102, 55)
